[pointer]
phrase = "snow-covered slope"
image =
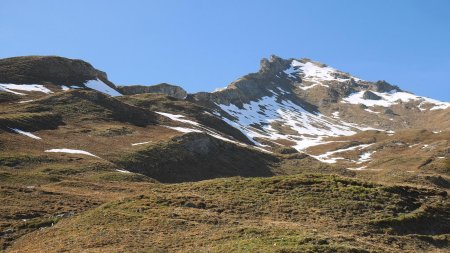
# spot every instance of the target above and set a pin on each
(302, 104)
(277, 118)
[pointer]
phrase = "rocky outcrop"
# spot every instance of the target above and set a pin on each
(389, 111)
(163, 88)
(49, 69)
(383, 86)
(273, 65)
(197, 156)
(371, 96)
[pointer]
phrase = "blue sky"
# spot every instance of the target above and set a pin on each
(202, 45)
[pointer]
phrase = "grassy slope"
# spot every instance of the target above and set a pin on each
(299, 213)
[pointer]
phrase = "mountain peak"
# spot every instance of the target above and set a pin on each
(272, 65)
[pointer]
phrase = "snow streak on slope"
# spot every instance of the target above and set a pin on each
(26, 133)
(140, 143)
(177, 117)
(102, 87)
(24, 87)
(391, 98)
(292, 122)
(184, 129)
(70, 151)
(199, 128)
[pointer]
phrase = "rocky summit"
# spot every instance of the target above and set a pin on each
(297, 157)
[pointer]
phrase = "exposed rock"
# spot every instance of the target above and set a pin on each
(163, 88)
(49, 69)
(201, 145)
(274, 65)
(383, 86)
(389, 111)
(371, 96)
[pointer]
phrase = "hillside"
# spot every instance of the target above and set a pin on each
(297, 157)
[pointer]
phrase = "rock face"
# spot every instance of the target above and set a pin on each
(49, 69)
(163, 88)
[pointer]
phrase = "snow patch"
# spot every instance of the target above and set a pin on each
(442, 106)
(123, 171)
(220, 137)
(358, 168)
(184, 129)
(315, 72)
(140, 143)
(102, 87)
(219, 89)
(326, 158)
(312, 86)
(70, 151)
(25, 101)
(177, 117)
(24, 87)
(365, 157)
(368, 110)
(207, 131)
(390, 132)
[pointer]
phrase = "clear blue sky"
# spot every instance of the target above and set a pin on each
(202, 45)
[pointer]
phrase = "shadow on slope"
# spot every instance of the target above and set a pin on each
(197, 156)
(301, 213)
(80, 105)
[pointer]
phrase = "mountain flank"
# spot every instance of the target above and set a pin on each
(296, 157)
